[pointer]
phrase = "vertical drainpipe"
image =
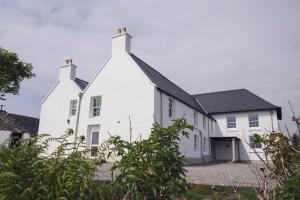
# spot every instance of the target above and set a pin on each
(208, 139)
(78, 113)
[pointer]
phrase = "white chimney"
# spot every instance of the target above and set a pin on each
(67, 71)
(121, 42)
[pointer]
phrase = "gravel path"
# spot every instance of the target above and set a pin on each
(214, 173)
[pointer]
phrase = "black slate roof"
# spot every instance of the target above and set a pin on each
(81, 83)
(240, 100)
(165, 85)
(19, 123)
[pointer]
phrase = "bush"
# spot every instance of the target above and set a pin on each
(151, 168)
(27, 172)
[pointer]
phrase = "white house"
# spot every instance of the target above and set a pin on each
(126, 88)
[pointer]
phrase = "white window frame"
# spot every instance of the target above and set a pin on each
(231, 124)
(171, 107)
(196, 142)
(91, 142)
(254, 145)
(204, 144)
(93, 113)
(73, 109)
(195, 119)
(253, 122)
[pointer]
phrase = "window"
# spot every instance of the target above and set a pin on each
(73, 107)
(171, 107)
(231, 123)
(204, 122)
(254, 144)
(253, 121)
(196, 142)
(204, 144)
(94, 143)
(195, 119)
(96, 106)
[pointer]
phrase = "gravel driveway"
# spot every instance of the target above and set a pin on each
(213, 173)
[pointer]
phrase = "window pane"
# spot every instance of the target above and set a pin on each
(95, 138)
(253, 121)
(195, 142)
(231, 123)
(94, 151)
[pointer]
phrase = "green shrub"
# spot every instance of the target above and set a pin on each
(151, 168)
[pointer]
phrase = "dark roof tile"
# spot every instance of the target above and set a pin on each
(81, 83)
(18, 123)
(234, 101)
(167, 86)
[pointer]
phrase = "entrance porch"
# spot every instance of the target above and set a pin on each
(225, 148)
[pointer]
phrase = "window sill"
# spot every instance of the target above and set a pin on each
(232, 130)
(255, 129)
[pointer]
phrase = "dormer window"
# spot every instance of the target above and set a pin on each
(95, 106)
(171, 107)
(73, 107)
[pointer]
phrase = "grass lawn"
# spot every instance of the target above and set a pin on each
(219, 192)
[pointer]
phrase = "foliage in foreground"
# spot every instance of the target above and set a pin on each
(148, 169)
(27, 172)
(279, 178)
(151, 168)
(220, 192)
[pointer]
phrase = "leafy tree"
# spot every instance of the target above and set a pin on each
(12, 72)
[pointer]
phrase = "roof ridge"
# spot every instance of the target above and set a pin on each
(162, 75)
(22, 116)
(220, 91)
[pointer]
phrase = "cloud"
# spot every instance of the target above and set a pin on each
(202, 46)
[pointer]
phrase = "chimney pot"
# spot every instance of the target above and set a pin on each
(70, 61)
(67, 62)
(124, 29)
(119, 31)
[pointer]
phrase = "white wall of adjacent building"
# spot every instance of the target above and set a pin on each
(197, 146)
(55, 116)
(267, 122)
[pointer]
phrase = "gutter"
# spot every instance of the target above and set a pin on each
(77, 118)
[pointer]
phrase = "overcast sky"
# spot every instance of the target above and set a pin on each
(203, 46)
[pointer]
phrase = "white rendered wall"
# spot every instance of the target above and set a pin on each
(243, 131)
(4, 135)
(182, 110)
(55, 110)
(125, 91)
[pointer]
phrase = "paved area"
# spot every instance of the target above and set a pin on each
(213, 173)
(221, 173)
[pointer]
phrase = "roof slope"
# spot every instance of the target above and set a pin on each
(234, 101)
(81, 83)
(167, 86)
(19, 123)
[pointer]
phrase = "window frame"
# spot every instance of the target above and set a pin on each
(91, 142)
(196, 142)
(204, 123)
(231, 124)
(195, 119)
(254, 145)
(73, 108)
(204, 144)
(171, 107)
(256, 121)
(93, 107)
